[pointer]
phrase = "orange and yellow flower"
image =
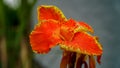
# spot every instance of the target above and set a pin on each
(72, 36)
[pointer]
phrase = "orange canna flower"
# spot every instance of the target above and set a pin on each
(73, 38)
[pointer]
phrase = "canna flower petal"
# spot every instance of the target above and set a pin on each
(83, 42)
(70, 27)
(45, 36)
(66, 30)
(50, 12)
(82, 26)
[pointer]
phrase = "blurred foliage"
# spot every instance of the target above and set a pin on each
(14, 34)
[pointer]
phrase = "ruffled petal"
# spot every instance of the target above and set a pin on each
(46, 12)
(82, 26)
(45, 36)
(83, 42)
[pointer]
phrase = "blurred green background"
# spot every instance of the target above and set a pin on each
(15, 51)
